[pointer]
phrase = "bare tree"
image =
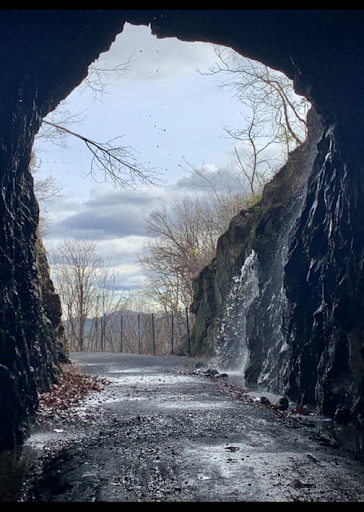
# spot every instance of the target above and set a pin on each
(62, 116)
(110, 160)
(115, 162)
(182, 241)
(258, 157)
(274, 117)
(108, 303)
(47, 189)
(98, 80)
(75, 267)
(256, 83)
(226, 189)
(99, 77)
(89, 289)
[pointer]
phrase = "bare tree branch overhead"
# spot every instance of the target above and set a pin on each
(109, 161)
(116, 163)
(262, 89)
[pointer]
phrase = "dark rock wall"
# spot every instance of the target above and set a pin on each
(324, 284)
(45, 54)
(26, 361)
(264, 228)
(322, 325)
(284, 199)
(51, 303)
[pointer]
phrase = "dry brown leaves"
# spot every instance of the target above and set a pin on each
(72, 387)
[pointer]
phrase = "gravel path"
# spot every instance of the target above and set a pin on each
(158, 433)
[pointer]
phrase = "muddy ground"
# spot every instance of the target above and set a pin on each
(157, 432)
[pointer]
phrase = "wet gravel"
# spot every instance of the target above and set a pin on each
(157, 432)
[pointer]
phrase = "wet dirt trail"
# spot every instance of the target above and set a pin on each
(158, 433)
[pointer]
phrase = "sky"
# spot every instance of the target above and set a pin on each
(167, 112)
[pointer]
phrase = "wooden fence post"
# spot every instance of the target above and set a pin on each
(172, 333)
(153, 334)
(188, 333)
(139, 340)
(121, 332)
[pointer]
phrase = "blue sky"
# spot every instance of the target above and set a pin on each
(167, 112)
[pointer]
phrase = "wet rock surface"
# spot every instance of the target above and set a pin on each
(158, 432)
(45, 55)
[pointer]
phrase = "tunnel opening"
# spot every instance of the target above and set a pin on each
(212, 122)
(322, 52)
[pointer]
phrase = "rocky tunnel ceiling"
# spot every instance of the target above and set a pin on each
(318, 49)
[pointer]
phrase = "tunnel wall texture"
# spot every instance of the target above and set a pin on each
(45, 54)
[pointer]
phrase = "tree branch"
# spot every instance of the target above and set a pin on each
(113, 161)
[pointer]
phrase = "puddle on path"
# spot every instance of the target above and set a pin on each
(269, 474)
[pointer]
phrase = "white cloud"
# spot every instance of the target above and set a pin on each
(155, 59)
(168, 112)
(106, 215)
(121, 252)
